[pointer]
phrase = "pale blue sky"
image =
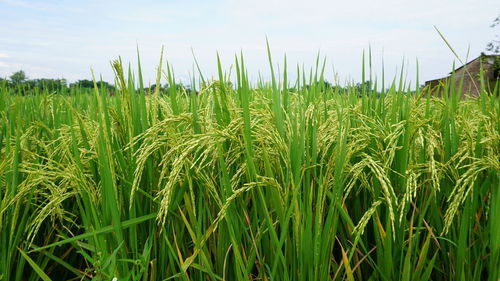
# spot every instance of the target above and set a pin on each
(56, 39)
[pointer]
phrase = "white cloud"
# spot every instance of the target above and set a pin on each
(3, 55)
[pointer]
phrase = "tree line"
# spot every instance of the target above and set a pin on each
(20, 83)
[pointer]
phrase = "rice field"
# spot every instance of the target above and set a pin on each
(273, 180)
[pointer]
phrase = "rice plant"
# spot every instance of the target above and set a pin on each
(235, 180)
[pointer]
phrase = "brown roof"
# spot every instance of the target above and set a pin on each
(457, 69)
(481, 56)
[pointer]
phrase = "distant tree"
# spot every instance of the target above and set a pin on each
(18, 77)
(47, 84)
(82, 84)
(166, 89)
(153, 87)
(494, 45)
(363, 87)
(89, 84)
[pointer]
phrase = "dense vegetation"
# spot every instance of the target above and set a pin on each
(249, 182)
(18, 83)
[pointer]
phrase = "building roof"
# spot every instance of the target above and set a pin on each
(480, 56)
(468, 63)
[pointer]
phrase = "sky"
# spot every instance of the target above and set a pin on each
(66, 39)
